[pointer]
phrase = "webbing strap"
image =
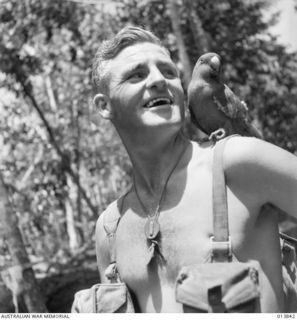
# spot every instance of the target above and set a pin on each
(110, 225)
(221, 243)
(110, 228)
(220, 207)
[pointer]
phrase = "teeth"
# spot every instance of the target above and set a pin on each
(154, 101)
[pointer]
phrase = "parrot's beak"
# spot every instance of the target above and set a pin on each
(215, 63)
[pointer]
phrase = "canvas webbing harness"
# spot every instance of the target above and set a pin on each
(221, 241)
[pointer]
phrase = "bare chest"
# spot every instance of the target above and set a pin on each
(183, 239)
(186, 225)
(185, 230)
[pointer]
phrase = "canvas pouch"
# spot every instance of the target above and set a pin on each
(219, 287)
(289, 270)
(113, 296)
(103, 298)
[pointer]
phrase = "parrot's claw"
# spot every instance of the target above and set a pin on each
(217, 135)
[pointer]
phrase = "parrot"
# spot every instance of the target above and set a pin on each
(213, 106)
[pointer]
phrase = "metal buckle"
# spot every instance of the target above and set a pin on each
(224, 243)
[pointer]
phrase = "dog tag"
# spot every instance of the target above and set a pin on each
(151, 229)
(153, 248)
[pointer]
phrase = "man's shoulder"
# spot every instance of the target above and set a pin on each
(113, 209)
(110, 215)
(202, 152)
(247, 150)
(253, 159)
(238, 150)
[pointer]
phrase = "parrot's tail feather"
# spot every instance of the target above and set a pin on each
(255, 132)
(248, 130)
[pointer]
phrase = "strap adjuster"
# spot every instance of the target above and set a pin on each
(221, 249)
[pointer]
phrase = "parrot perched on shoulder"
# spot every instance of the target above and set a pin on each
(214, 107)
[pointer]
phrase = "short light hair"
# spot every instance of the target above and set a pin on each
(109, 49)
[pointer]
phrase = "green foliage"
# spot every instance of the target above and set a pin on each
(256, 67)
(46, 51)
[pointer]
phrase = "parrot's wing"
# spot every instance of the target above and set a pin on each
(239, 114)
(245, 128)
(234, 107)
(195, 121)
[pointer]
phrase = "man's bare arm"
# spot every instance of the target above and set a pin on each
(263, 171)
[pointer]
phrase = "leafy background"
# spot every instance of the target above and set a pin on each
(59, 170)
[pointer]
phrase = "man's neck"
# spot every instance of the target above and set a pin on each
(154, 162)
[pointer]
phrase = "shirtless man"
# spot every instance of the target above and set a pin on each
(140, 92)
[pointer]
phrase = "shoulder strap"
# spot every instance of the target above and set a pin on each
(220, 207)
(110, 225)
(221, 242)
(111, 219)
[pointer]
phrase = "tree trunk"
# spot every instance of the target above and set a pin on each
(20, 277)
(78, 164)
(66, 162)
(73, 236)
(50, 93)
(200, 36)
(182, 51)
(71, 230)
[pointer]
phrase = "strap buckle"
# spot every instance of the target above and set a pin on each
(221, 250)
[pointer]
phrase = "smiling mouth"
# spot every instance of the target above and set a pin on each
(157, 102)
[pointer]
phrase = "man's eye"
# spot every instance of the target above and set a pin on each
(136, 76)
(170, 73)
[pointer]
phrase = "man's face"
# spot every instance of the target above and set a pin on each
(144, 88)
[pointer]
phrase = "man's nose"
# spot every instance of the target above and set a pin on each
(156, 79)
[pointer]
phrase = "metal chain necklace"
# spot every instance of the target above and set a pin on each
(152, 225)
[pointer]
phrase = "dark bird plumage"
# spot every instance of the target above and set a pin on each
(213, 105)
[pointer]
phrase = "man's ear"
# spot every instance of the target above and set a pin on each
(102, 103)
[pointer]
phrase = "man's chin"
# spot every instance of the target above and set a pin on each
(163, 115)
(164, 124)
